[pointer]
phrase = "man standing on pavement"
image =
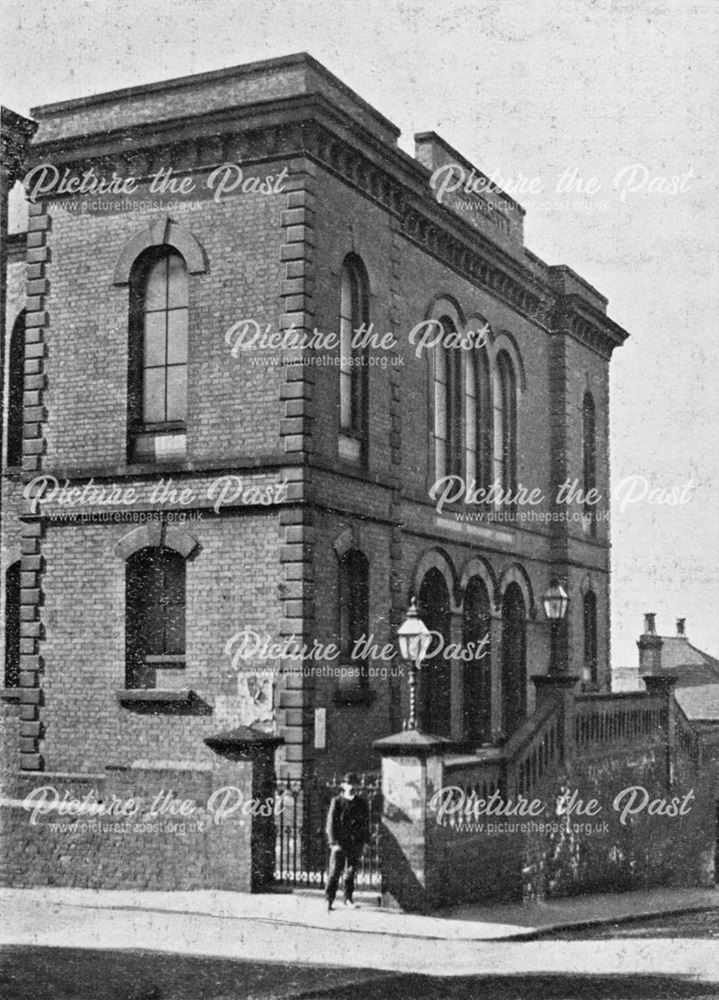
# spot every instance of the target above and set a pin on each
(347, 833)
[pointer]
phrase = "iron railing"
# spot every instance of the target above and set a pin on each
(302, 852)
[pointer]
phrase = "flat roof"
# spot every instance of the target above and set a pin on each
(246, 69)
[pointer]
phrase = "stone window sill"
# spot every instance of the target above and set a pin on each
(155, 696)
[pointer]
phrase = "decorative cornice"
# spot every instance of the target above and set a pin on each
(311, 126)
(579, 319)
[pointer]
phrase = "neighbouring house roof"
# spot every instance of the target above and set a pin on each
(697, 687)
(697, 674)
(700, 703)
(691, 665)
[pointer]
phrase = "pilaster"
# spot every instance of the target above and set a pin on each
(396, 588)
(297, 412)
(34, 420)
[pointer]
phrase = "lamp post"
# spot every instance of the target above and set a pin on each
(414, 639)
(555, 603)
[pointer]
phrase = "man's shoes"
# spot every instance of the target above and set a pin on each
(350, 904)
(329, 905)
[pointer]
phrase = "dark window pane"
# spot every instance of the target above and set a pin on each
(174, 579)
(175, 629)
(590, 637)
(155, 609)
(589, 457)
(353, 603)
(477, 701)
(435, 676)
(12, 626)
(154, 635)
(514, 665)
(16, 377)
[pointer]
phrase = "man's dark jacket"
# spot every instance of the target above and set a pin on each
(348, 823)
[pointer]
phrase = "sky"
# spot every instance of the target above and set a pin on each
(618, 96)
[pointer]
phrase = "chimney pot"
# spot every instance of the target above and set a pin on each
(681, 627)
(650, 647)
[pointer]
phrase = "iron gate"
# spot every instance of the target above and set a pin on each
(301, 850)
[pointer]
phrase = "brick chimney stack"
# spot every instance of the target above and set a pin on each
(650, 647)
(681, 628)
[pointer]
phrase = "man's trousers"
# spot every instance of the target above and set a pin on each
(342, 859)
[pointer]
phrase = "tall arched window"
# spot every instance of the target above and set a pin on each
(447, 405)
(157, 391)
(470, 417)
(476, 623)
(505, 423)
(435, 675)
(155, 615)
(477, 419)
(354, 613)
(441, 395)
(12, 625)
(589, 458)
(514, 659)
(16, 377)
(354, 382)
(591, 674)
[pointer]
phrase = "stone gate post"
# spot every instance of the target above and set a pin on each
(411, 774)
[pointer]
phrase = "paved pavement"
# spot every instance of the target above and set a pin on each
(466, 940)
(469, 922)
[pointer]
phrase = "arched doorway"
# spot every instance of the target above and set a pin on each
(477, 701)
(514, 659)
(435, 675)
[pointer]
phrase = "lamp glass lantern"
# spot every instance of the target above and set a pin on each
(555, 601)
(414, 637)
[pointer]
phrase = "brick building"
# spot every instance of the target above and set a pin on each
(176, 490)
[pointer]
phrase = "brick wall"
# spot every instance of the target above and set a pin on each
(568, 855)
(232, 583)
(172, 829)
(232, 406)
(646, 851)
(610, 815)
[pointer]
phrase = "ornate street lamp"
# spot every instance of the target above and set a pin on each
(555, 602)
(414, 641)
